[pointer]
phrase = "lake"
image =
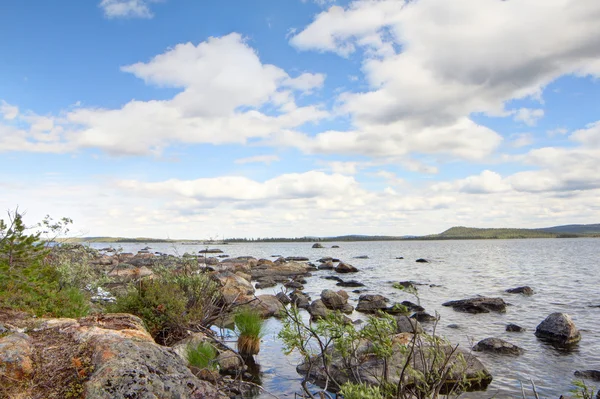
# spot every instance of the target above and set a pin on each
(564, 274)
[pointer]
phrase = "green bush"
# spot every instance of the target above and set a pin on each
(171, 304)
(202, 355)
(360, 391)
(250, 328)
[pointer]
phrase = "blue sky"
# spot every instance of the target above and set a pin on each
(188, 119)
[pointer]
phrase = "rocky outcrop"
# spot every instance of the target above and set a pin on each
(16, 353)
(210, 251)
(525, 290)
(478, 305)
(497, 345)
(234, 288)
(558, 328)
(345, 268)
(265, 283)
(266, 305)
(371, 303)
(297, 259)
(366, 368)
(288, 269)
(228, 361)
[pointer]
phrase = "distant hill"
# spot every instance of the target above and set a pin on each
(460, 232)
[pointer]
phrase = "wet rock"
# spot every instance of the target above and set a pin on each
(371, 303)
(405, 324)
(328, 259)
(453, 326)
(211, 261)
(288, 269)
(345, 268)
(351, 284)
(412, 306)
(210, 251)
(336, 300)
(514, 328)
(222, 256)
(525, 290)
(497, 345)
(326, 266)
(400, 257)
(297, 259)
(317, 245)
(283, 298)
(335, 278)
(265, 283)
(588, 374)
(361, 257)
(335, 246)
(318, 310)
(558, 328)
(300, 299)
(300, 279)
(423, 317)
(16, 352)
(404, 284)
(294, 285)
(422, 260)
(478, 305)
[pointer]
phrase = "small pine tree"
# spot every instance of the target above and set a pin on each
(16, 246)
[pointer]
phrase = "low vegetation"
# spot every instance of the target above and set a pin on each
(202, 356)
(250, 328)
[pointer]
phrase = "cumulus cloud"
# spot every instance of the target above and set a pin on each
(528, 116)
(224, 87)
(127, 8)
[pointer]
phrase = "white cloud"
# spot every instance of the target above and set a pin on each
(266, 159)
(223, 87)
(519, 140)
(127, 8)
(528, 116)
(8, 112)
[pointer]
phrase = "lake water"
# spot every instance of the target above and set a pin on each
(563, 272)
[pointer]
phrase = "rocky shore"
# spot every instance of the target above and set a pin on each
(115, 356)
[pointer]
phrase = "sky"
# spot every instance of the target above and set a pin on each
(289, 118)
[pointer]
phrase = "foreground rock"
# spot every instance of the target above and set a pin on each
(336, 300)
(558, 328)
(497, 345)
(300, 299)
(234, 288)
(588, 374)
(405, 324)
(16, 352)
(525, 290)
(228, 361)
(478, 305)
(367, 368)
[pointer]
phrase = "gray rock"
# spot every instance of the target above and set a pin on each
(317, 245)
(371, 303)
(265, 283)
(558, 328)
(266, 305)
(514, 328)
(525, 290)
(326, 266)
(413, 306)
(423, 317)
(210, 251)
(405, 324)
(283, 298)
(294, 285)
(422, 260)
(478, 305)
(335, 278)
(335, 246)
(297, 259)
(351, 284)
(300, 299)
(497, 345)
(362, 257)
(336, 300)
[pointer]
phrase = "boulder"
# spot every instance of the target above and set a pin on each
(399, 257)
(361, 257)
(16, 353)
(297, 259)
(525, 290)
(265, 283)
(497, 345)
(288, 269)
(294, 285)
(593, 375)
(514, 328)
(478, 305)
(412, 306)
(318, 310)
(371, 303)
(234, 288)
(558, 328)
(336, 300)
(422, 260)
(405, 324)
(326, 266)
(423, 317)
(300, 299)
(300, 279)
(228, 361)
(127, 272)
(264, 262)
(266, 305)
(210, 251)
(345, 268)
(368, 369)
(335, 246)
(245, 276)
(317, 245)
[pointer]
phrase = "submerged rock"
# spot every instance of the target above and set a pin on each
(514, 328)
(478, 305)
(558, 328)
(588, 374)
(497, 345)
(422, 260)
(350, 283)
(525, 290)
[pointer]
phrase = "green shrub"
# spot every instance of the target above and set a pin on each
(202, 355)
(170, 304)
(360, 391)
